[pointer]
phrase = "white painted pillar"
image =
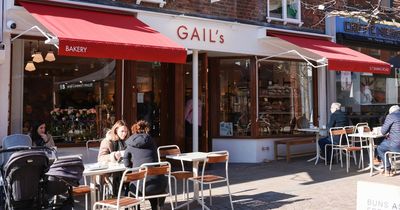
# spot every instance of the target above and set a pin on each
(5, 87)
(195, 99)
(322, 96)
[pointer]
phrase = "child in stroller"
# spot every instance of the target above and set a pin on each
(25, 182)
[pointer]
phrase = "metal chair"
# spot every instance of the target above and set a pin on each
(14, 141)
(209, 179)
(392, 159)
(122, 202)
(183, 175)
(364, 144)
(160, 168)
(346, 147)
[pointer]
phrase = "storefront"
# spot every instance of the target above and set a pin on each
(367, 96)
(72, 67)
(251, 85)
(275, 80)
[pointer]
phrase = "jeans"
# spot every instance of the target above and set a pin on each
(324, 141)
(386, 146)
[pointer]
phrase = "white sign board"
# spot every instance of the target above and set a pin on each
(374, 196)
(211, 35)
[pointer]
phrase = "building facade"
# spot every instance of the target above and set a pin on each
(254, 81)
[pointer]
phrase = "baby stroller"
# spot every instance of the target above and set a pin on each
(63, 174)
(22, 171)
(23, 177)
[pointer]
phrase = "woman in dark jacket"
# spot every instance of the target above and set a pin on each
(142, 149)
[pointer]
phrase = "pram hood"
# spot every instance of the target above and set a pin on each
(23, 158)
(69, 170)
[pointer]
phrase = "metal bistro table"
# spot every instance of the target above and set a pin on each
(370, 136)
(94, 169)
(194, 157)
(315, 130)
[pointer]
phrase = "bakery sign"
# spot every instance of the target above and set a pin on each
(200, 34)
(372, 196)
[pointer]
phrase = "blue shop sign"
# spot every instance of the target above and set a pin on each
(379, 33)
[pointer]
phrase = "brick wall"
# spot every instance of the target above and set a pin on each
(248, 11)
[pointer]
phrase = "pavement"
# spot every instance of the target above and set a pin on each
(280, 185)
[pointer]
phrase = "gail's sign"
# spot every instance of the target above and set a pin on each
(200, 34)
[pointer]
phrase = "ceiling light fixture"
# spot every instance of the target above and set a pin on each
(50, 55)
(76, 68)
(30, 66)
(37, 57)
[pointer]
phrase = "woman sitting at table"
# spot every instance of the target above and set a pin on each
(39, 135)
(142, 149)
(391, 143)
(110, 151)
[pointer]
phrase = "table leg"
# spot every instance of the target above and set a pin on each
(317, 149)
(92, 191)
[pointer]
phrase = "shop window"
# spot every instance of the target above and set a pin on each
(285, 97)
(234, 119)
(366, 97)
(74, 95)
(148, 85)
(288, 11)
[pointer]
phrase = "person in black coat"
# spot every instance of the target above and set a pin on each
(142, 149)
(338, 119)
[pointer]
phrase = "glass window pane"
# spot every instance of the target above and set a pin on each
(148, 85)
(292, 9)
(275, 8)
(284, 97)
(234, 97)
(75, 96)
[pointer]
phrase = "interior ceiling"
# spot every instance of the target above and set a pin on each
(64, 67)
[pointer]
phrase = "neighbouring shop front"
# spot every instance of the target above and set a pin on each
(368, 96)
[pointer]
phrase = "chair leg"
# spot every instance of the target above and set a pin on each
(209, 188)
(229, 191)
(202, 196)
(330, 164)
(176, 191)
(385, 166)
(347, 162)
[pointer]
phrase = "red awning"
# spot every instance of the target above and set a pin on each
(87, 33)
(340, 58)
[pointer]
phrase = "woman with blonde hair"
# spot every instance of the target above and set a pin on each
(110, 151)
(114, 142)
(142, 149)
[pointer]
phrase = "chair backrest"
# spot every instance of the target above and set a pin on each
(341, 132)
(160, 168)
(363, 124)
(16, 140)
(350, 129)
(217, 157)
(138, 174)
(94, 143)
(163, 151)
